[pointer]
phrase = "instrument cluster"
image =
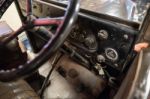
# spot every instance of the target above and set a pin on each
(103, 43)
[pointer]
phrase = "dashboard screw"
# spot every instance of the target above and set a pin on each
(126, 36)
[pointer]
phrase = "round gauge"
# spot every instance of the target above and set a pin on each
(111, 54)
(103, 35)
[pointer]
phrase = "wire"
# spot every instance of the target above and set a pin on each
(45, 83)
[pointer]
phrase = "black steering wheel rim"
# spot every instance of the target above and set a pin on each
(49, 49)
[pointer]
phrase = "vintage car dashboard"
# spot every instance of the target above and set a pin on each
(101, 39)
(103, 43)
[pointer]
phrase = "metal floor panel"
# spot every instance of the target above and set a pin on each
(84, 86)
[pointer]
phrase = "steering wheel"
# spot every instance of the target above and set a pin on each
(56, 40)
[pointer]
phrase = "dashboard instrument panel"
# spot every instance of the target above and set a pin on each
(106, 44)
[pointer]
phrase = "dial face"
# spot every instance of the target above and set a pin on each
(103, 34)
(111, 54)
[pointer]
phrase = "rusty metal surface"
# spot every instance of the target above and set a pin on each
(109, 7)
(141, 83)
(72, 81)
(147, 34)
(128, 10)
(82, 80)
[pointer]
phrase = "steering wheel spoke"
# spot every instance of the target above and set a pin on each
(13, 35)
(48, 21)
(29, 7)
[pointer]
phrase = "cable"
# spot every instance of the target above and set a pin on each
(45, 83)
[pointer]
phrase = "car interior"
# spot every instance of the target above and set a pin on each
(75, 49)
